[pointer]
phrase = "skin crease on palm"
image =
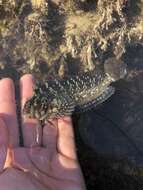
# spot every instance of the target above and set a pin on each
(50, 164)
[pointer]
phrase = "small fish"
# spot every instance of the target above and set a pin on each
(57, 98)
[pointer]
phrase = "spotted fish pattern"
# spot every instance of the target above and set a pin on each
(57, 98)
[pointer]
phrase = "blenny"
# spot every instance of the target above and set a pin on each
(57, 98)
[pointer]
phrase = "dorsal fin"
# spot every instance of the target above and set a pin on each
(109, 91)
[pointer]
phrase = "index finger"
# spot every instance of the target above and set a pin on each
(29, 125)
(8, 109)
(66, 140)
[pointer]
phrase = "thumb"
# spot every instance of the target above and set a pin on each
(3, 144)
(66, 140)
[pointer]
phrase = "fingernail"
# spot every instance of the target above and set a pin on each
(7, 91)
(27, 86)
(27, 77)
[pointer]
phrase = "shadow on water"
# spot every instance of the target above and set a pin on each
(132, 9)
(113, 132)
(89, 5)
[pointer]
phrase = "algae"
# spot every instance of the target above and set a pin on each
(86, 32)
(54, 38)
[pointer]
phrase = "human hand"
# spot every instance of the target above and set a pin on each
(47, 164)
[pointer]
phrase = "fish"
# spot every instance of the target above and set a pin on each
(57, 98)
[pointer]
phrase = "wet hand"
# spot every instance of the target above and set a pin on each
(47, 161)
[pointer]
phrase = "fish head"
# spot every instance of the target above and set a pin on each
(42, 106)
(47, 104)
(115, 69)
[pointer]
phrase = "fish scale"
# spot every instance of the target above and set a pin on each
(73, 93)
(56, 98)
(87, 81)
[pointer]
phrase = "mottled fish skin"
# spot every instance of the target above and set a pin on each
(87, 87)
(50, 100)
(57, 98)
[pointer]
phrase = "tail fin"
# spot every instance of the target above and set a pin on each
(115, 68)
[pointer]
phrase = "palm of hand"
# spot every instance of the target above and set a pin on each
(48, 162)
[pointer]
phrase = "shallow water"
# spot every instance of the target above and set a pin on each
(109, 137)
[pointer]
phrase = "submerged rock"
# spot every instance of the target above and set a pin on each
(82, 33)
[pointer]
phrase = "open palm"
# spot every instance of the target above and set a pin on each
(47, 161)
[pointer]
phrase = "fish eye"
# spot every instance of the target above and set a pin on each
(44, 100)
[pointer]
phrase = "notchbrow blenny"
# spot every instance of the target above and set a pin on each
(58, 98)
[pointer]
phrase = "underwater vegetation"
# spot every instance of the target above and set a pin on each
(67, 41)
(60, 38)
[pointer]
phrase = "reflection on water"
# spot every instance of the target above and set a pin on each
(116, 128)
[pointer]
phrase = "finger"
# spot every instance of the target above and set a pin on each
(50, 135)
(3, 133)
(8, 109)
(32, 133)
(3, 143)
(26, 88)
(66, 141)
